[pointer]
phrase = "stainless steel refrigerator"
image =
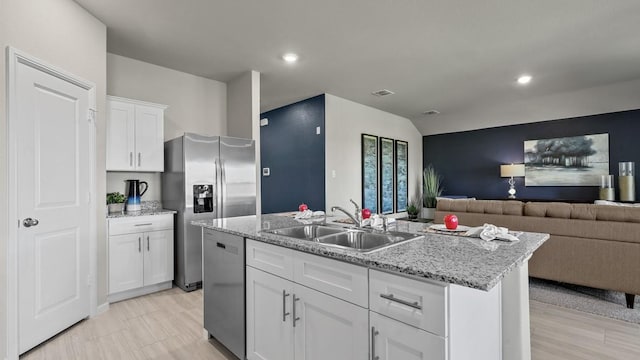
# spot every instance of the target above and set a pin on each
(205, 177)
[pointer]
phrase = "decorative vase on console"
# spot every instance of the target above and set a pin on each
(607, 192)
(626, 182)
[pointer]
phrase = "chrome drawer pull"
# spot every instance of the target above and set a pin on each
(374, 333)
(390, 297)
(146, 224)
(295, 318)
(284, 305)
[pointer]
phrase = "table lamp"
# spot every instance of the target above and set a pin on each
(511, 171)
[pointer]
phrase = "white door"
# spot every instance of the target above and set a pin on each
(391, 339)
(329, 328)
(120, 136)
(158, 256)
(269, 326)
(149, 138)
(53, 184)
(125, 262)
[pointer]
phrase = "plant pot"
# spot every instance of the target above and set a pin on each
(116, 208)
(428, 213)
(412, 216)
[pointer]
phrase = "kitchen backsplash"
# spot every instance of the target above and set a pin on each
(116, 181)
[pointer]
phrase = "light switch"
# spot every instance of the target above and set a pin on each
(266, 171)
(333, 174)
(318, 130)
(264, 122)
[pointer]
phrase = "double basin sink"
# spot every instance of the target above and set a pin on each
(362, 240)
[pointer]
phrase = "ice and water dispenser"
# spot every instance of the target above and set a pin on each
(202, 198)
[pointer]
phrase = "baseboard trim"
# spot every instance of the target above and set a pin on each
(103, 308)
(139, 292)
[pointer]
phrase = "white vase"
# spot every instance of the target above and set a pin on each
(428, 213)
(116, 208)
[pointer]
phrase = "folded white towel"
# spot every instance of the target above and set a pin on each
(489, 232)
(307, 214)
(304, 214)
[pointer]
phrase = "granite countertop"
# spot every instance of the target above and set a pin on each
(148, 208)
(469, 262)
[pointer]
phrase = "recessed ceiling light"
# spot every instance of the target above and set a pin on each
(524, 79)
(290, 57)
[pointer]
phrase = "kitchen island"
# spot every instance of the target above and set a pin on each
(456, 269)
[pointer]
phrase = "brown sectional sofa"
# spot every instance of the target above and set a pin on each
(590, 245)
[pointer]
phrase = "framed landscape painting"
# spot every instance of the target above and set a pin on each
(402, 175)
(387, 171)
(567, 161)
(370, 172)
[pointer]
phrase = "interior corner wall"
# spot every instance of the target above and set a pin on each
(469, 161)
(294, 151)
(62, 34)
(195, 104)
(345, 122)
(240, 106)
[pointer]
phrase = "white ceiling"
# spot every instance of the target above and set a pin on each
(460, 57)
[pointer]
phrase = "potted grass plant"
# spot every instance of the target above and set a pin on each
(413, 209)
(431, 190)
(115, 202)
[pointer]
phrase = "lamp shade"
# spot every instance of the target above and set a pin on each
(514, 170)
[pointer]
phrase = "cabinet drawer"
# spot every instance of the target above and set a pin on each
(417, 303)
(270, 258)
(344, 281)
(136, 224)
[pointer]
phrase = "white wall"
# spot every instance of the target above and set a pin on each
(243, 116)
(196, 105)
(239, 106)
(596, 100)
(64, 35)
(345, 122)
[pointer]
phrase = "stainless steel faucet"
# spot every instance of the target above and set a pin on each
(357, 219)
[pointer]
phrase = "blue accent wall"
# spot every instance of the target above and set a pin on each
(295, 154)
(469, 161)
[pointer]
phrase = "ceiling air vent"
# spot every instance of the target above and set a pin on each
(383, 92)
(431, 112)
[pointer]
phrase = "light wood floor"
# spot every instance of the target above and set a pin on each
(168, 325)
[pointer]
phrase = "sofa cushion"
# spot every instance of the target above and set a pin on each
(550, 209)
(583, 212)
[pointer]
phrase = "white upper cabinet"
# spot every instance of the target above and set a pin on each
(135, 135)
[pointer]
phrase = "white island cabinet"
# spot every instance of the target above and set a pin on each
(303, 306)
(287, 320)
(140, 255)
(135, 135)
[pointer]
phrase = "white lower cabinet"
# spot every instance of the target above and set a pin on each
(140, 255)
(314, 309)
(287, 320)
(328, 328)
(391, 340)
(269, 326)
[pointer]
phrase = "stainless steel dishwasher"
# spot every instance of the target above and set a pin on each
(223, 281)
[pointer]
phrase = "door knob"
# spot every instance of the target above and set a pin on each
(29, 222)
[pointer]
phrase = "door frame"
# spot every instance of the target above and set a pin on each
(13, 58)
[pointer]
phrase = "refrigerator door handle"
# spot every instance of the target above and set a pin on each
(216, 208)
(223, 186)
